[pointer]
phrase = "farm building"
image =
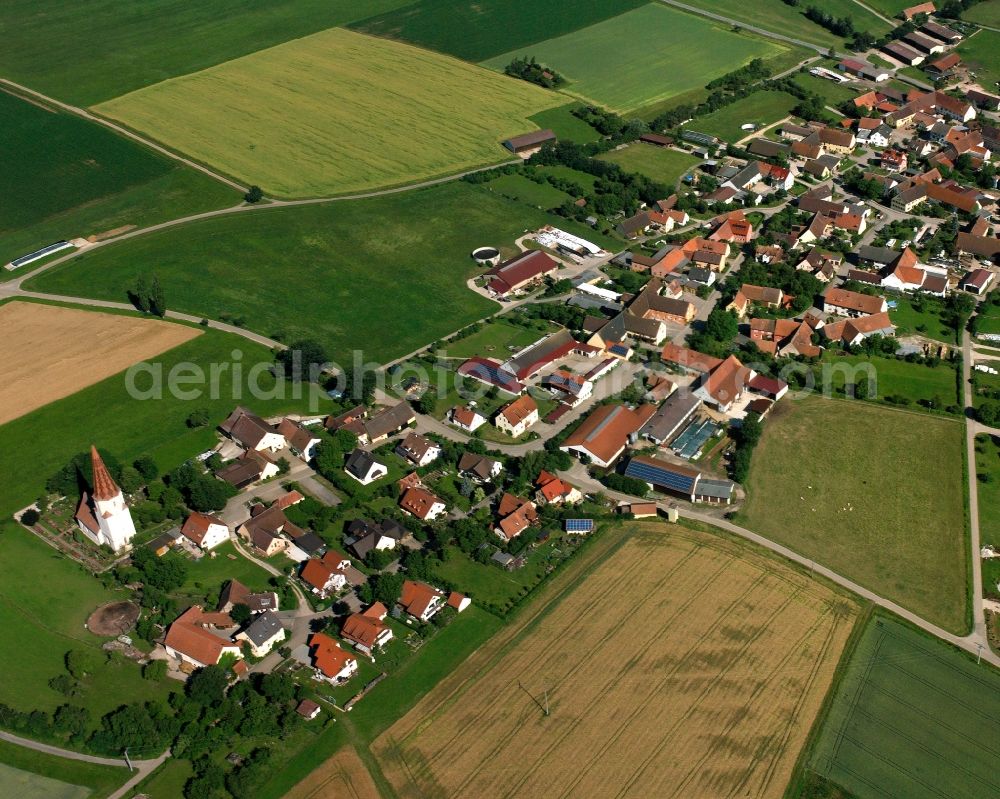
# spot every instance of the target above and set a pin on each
(527, 144)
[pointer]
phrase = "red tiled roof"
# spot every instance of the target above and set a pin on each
(327, 655)
(104, 487)
(416, 597)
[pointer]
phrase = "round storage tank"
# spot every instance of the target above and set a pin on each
(487, 256)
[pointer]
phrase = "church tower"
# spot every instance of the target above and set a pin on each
(104, 517)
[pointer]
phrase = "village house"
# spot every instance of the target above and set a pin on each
(466, 418)
(189, 641)
(235, 593)
(893, 160)
(269, 530)
(364, 535)
(301, 440)
(572, 389)
(514, 516)
(707, 253)
(783, 337)
(418, 450)
(725, 385)
(362, 466)
(251, 432)
(480, 468)
(250, 467)
(516, 417)
(421, 503)
(553, 490)
(851, 332)
(419, 600)
(204, 530)
(326, 576)
(906, 274)
(850, 303)
(331, 662)
(367, 630)
(263, 634)
(604, 434)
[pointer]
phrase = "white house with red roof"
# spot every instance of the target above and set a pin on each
(204, 530)
(419, 600)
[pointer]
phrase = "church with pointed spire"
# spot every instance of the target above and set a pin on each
(103, 515)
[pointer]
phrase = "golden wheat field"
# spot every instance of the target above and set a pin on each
(336, 112)
(343, 776)
(684, 665)
(51, 352)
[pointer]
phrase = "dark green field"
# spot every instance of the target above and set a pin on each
(385, 276)
(64, 177)
(92, 50)
(476, 31)
(911, 718)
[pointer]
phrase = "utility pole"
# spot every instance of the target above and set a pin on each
(545, 688)
(127, 761)
(979, 655)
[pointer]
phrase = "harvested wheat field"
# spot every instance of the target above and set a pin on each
(51, 352)
(684, 665)
(343, 776)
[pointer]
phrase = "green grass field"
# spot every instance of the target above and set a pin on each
(873, 493)
(584, 180)
(206, 576)
(656, 163)
(65, 177)
(518, 187)
(896, 377)
(763, 108)
(40, 631)
(985, 13)
(907, 319)
(911, 717)
(988, 463)
(988, 320)
(98, 781)
(337, 112)
(833, 93)
(981, 53)
(622, 63)
(105, 414)
(890, 8)
(566, 126)
(385, 275)
(27, 785)
(493, 340)
(93, 50)
(479, 29)
(779, 17)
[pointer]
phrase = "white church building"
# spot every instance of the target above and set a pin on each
(103, 515)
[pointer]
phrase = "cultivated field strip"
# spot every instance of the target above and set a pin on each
(683, 665)
(343, 776)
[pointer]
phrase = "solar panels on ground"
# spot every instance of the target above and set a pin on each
(39, 254)
(579, 525)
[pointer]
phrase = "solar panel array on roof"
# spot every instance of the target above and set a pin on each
(689, 443)
(579, 525)
(661, 476)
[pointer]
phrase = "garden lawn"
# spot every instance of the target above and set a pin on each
(584, 180)
(41, 631)
(493, 340)
(833, 93)
(93, 50)
(779, 17)
(907, 319)
(763, 108)
(65, 177)
(565, 125)
(911, 717)
(106, 415)
(99, 780)
(874, 493)
(479, 29)
(898, 378)
(987, 386)
(206, 576)
(661, 164)
(988, 320)
(337, 112)
(622, 63)
(518, 187)
(385, 275)
(981, 53)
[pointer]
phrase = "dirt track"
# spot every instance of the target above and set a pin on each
(51, 352)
